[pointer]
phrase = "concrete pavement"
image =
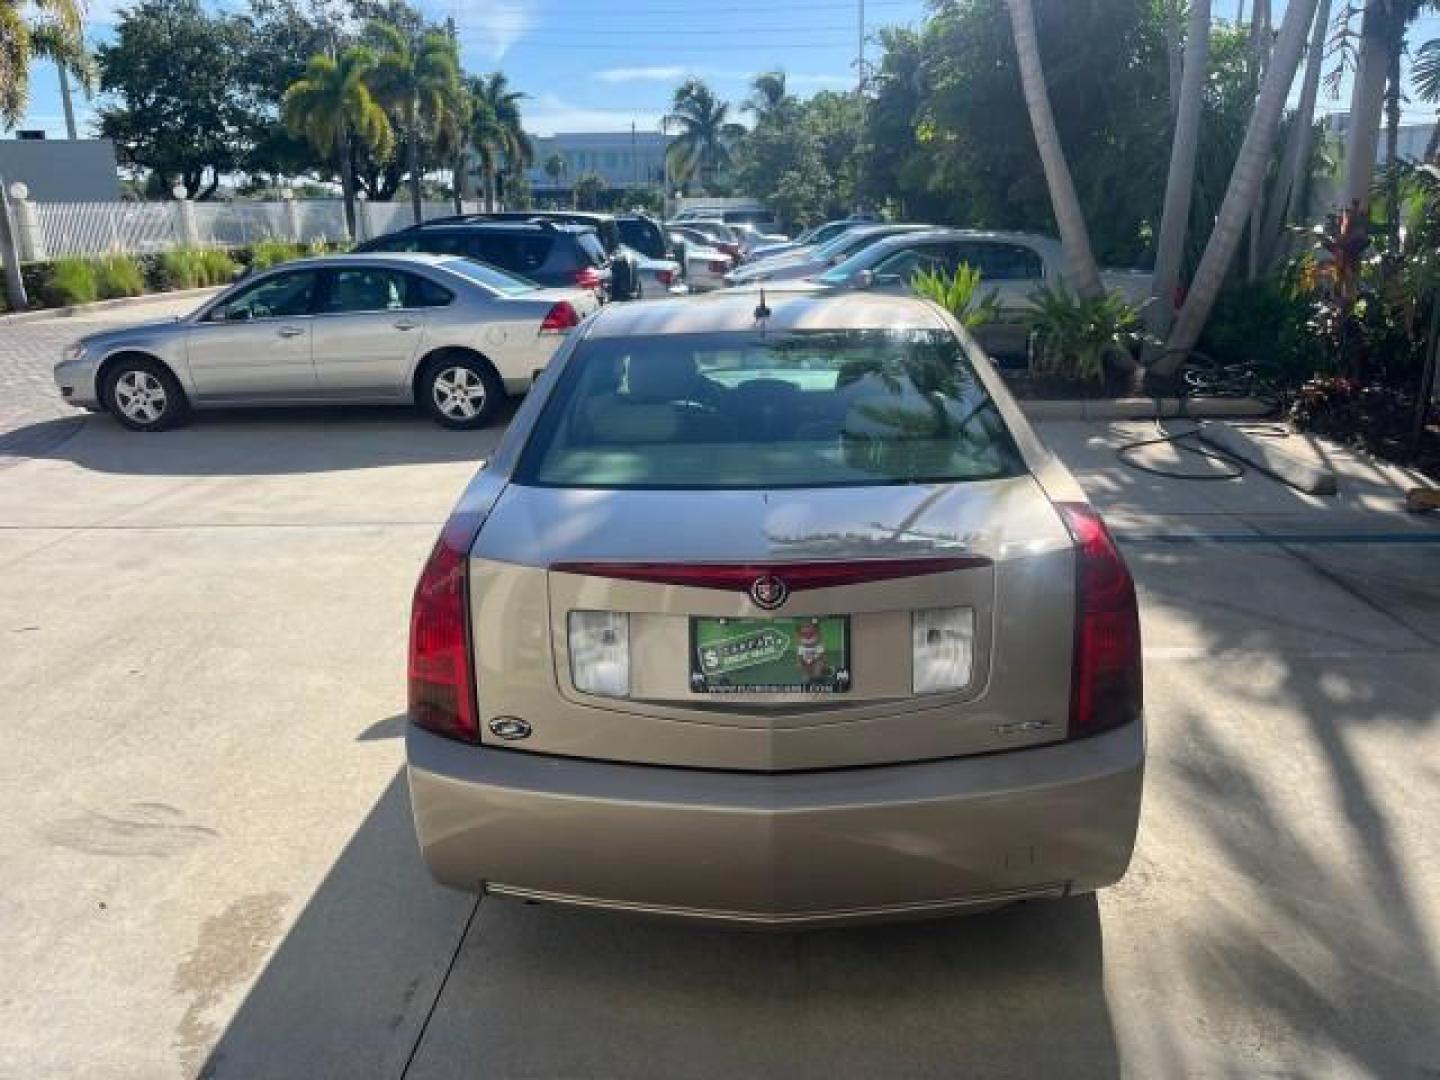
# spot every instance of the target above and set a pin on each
(207, 865)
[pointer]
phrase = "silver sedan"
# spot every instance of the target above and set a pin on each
(449, 334)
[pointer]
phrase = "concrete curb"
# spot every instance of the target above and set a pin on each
(1271, 456)
(106, 305)
(1141, 408)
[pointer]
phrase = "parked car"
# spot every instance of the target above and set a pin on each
(632, 273)
(807, 262)
(446, 333)
(812, 237)
(775, 615)
(714, 234)
(552, 254)
(761, 218)
(1012, 265)
(705, 267)
(662, 270)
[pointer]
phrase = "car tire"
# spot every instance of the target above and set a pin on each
(461, 390)
(143, 395)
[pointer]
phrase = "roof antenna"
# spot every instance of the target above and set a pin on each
(761, 311)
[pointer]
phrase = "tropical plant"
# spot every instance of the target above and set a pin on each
(769, 100)
(72, 281)
(704, 133)
(1245, 186)
(332, 106)
(497, 132)
(588, 189)
(958, 293)
(1083, 338)
(1080, 266)
(416, 77)
(273, 251)
(66, 49)
(193, 268)
(118, 275)
(555, 167)
(27, 31)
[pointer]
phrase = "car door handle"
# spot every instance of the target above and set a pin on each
(405, 324)
(290, 331)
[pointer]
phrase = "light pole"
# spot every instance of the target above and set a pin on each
(9, 249)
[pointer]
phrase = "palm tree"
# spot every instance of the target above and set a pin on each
(555, 168)
(417, 79)
(331, 105)
(1080, 265)
(68, 52)
(768, 99)
(1180, 183)
(705, 132)
(1244, 187)
(1382, 29)
(497, 131)
(1288, 199)
(58, 20)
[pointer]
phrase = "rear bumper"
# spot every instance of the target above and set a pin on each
(784, 849)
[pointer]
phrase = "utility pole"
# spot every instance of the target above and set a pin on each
(634, 158)
(860, 51)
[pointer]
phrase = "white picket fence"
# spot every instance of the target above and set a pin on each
(52, 230)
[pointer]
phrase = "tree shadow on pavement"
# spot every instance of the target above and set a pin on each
(549, 991)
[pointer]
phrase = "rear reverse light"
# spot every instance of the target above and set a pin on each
(442, 667)
(1106, 684)
(943, 647)
(600, 652)
(559, 318)
(587, 277)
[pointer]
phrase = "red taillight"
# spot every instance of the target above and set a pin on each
(1105, 681)
(733, 250)
(442, 671)
(665, 277)
(587, 277)
(718, 267)
(559, 318)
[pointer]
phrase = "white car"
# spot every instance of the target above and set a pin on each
(705, 267)
(807, 262)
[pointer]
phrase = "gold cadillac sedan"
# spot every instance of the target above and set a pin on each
(775, 612)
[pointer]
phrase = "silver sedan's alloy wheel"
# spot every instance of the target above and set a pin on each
(141, 396)
(459, 393)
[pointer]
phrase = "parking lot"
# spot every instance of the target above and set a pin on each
(207, 864)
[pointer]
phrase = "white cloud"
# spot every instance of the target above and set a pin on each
(488, 31)
(640, 74)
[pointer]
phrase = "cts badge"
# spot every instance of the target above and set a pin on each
(509, 728)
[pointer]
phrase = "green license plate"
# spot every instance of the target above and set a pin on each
(803, 655)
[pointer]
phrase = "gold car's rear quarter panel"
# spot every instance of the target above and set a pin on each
(755, 847)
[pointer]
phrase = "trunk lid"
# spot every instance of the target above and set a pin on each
(1011, 565)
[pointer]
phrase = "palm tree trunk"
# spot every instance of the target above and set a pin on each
(1289, 198)
(1174, 52)
(457, 181)
(1259, 59)
(347, 179)
(1080, 268)
(1366, 101)
(1180, 183)
(1392, 147)
(1244, 186)
(66, 105)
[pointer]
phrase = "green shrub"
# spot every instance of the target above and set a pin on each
(118, 275)
(271, 252)
(1080, 339)
(1267, 323)
(957, 293)
(216, 267)
(72, 282)
(179, 269)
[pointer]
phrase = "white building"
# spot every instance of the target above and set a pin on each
(624, 159)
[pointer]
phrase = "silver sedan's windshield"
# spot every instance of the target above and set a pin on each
(753, 410)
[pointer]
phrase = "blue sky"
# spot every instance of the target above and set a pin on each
(600, 65)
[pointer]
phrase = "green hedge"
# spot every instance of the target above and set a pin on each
(74, 280)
